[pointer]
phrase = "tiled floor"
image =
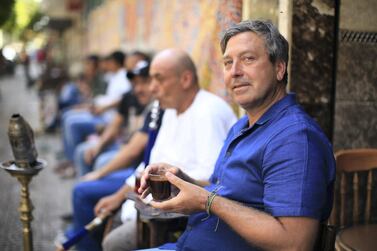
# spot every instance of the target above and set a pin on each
(50, 195)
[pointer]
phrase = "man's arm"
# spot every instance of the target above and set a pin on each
(124, 157)
(256, 227)
(110, 133)
(97, 110)
(114, 201)
(263, 230)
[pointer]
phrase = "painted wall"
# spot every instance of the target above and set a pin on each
(152, 25)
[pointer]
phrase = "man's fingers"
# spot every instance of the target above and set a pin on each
(175, 180)
(98, 207)
(145, 193)
(164, 205)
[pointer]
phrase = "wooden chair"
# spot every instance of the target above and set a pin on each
(353, 213)
(325, 238)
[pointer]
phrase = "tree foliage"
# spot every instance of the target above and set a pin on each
(6, 11)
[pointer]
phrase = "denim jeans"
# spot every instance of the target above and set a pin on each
(82, 167)
(76, 126)
(86, 195)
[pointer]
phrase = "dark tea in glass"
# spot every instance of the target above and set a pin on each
(159, 185)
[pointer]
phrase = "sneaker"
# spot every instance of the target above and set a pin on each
(59, 168)
(68, 173)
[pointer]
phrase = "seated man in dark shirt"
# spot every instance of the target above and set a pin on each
(87, 193)
(273, 180)
(96, 151)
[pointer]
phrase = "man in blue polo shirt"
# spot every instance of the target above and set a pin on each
(273, 180)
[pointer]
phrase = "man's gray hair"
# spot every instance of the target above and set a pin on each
(276, 45)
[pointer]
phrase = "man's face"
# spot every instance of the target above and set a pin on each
(165, 83)
(249, 75)
(142, 90)
(89, 68)
(112, 66)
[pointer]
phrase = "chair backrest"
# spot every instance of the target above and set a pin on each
(325, 238)
(352, 164)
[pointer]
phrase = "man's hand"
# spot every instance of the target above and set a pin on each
(98, 110)
(95, 175)
(91, 154)
(59, 248)
(153, 168)
(191, 198)
(109, 203)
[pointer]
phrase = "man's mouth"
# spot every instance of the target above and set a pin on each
(240, 85)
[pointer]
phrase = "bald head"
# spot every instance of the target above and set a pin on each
(177, 61)
(173, 79)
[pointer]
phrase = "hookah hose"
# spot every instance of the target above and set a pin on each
(84, 231)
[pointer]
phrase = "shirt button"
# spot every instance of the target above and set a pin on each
(228, 153)
(188, 227)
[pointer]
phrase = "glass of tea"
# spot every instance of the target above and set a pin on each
(159, 185)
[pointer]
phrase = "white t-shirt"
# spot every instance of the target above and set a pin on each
(117, 86)
(193, 139)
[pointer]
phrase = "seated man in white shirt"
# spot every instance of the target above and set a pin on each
(78, 124)
(193, 129)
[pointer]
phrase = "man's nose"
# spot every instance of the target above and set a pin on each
(153, 86)
(236, 69)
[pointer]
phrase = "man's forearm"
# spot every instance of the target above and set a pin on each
(114, 104)
(127, 154)
(124, 190)
(122, 159)
(265, 231)
(111, 132)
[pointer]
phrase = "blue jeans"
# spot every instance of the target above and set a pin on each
(69, 95)
(76, 126)
(86, 195)
(79, 162)
(166, 247)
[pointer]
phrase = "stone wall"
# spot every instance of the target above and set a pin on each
(356, 96)
(356, 83)
(312, 58)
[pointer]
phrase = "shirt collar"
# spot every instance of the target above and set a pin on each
(288, 100)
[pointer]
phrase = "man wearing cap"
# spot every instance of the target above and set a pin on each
(95, 153)
(193, 129)
(87, 193)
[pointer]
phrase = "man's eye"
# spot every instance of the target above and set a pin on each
(248, 59)
(227, 63)
(158, 79)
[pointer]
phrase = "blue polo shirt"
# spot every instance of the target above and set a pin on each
(282, 165)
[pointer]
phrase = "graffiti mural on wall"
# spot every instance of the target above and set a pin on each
(152, 25)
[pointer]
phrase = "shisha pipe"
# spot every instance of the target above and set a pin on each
(152, 134)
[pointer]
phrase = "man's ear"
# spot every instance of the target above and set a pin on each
(280, 69)
(186, 79)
